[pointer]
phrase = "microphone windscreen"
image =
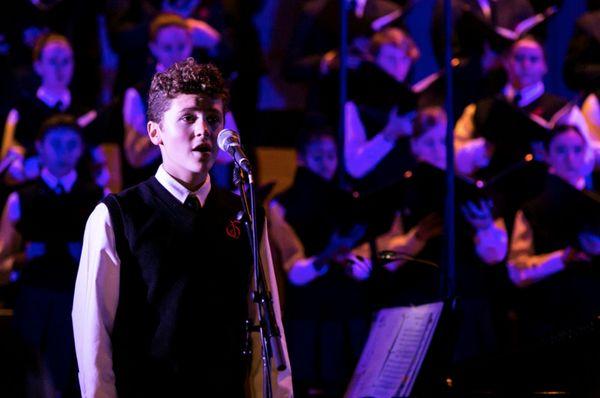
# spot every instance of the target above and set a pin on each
(226, 137)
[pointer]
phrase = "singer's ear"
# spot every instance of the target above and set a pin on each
(154, 132)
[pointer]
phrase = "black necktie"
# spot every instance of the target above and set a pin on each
(192, 202)
(59, 189)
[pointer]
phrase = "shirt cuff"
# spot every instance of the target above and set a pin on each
(304, 271)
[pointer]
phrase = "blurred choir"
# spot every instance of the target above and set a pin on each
(352, 234)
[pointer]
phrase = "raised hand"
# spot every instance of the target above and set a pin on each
(340, 245)
(398, 125)
(358, 267)
(479, 214)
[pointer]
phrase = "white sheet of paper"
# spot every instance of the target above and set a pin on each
(394, 352)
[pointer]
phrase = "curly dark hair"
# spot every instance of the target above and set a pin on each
(185, 77)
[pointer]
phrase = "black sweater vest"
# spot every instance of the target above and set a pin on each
(569, 297)
(54, 220)
(183, 294)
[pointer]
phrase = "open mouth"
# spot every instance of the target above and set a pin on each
(203, 148)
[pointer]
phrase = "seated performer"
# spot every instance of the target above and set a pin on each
(326, 313)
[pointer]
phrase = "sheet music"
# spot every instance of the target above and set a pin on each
(394, 352)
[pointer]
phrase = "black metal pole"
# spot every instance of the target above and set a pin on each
(267, 327)
(343, 90)
(450, 268)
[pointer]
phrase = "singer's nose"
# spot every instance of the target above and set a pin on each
(200, 127)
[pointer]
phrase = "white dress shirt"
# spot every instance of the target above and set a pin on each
(97, 297)
(51, 99)
(362, 155)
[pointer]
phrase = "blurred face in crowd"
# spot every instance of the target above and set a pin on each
(55, 65)
(187, 136)
(396, 57)
(525, 64)
(172, 44)
(320, 157)
(566, 156)
(60, 150)
(430, 147)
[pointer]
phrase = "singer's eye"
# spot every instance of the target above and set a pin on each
(189, 118)
(213, 119)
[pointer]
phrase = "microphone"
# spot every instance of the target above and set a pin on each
(229, 141)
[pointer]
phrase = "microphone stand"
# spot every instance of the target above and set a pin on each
(271, 346)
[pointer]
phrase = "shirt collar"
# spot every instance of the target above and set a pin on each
(528, 94)
(67, 181)
(51, 99)
(179, 191)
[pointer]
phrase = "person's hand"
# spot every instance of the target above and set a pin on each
(398, 125)
(358, 267)
(34, 250)
(429, 227)
(479, 215)
(590, 243)
(340, 245)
